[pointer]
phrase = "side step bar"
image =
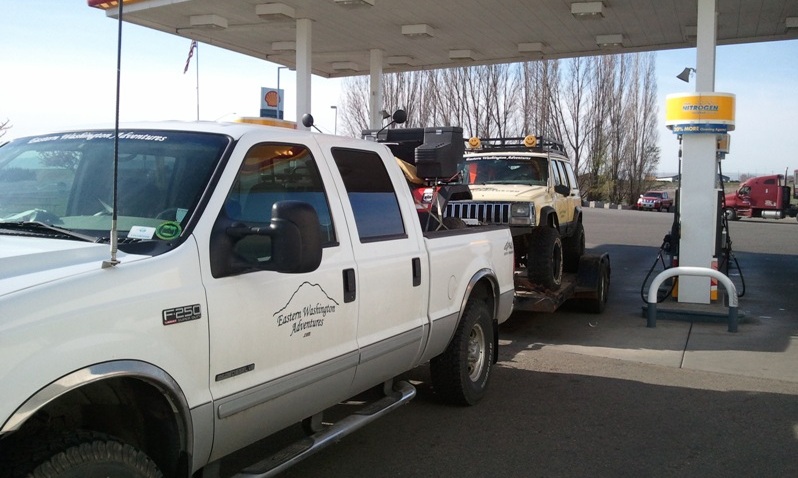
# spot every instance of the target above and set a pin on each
(296, 452)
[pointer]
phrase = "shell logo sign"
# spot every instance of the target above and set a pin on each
(700, 112)
(272, 98)
(271, 103)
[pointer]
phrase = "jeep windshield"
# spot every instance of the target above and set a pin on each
(61, 185)
(532, 171)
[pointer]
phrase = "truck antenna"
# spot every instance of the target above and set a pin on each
(114, 229)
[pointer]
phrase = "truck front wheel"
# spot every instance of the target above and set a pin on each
(460, 374)
(91, 455)
(544, 261)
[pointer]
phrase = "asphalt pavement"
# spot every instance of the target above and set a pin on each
(577, 395)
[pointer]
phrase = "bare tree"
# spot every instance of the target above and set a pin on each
(604, 108)
(643, 151)
(572, 108)
(4, 126)
(355, 105)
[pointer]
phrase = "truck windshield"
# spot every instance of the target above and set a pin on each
(507, 170)
(66, 180)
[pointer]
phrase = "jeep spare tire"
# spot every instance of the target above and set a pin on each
(544, 261)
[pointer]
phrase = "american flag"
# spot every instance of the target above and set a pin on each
(190, 54)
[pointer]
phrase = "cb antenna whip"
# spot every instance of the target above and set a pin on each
(114, 229)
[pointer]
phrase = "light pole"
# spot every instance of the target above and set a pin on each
(278, 75)
(335, 129)
(279, 92)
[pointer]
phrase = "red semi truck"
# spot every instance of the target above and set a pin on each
(762, 196)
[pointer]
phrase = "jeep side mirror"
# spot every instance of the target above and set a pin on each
(562, 189)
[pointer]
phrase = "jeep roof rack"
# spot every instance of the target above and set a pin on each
(540, 144)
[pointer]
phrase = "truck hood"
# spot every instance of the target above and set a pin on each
(506, 192)
(28, 261)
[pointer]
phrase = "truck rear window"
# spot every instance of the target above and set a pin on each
(371, 194)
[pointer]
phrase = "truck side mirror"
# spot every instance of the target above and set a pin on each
(562, 189)
(291, 243)
(296, 237)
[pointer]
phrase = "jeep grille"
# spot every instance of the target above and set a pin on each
(484, 212)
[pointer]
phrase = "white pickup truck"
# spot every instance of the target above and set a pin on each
(263, 275)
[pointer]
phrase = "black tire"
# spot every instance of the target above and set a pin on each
(544, 260)
(460, 374)
(573, 248)
(597, 305)
(83, 454)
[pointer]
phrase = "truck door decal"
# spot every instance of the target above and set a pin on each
(306, 309)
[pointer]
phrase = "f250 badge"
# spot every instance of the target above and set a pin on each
(185, 313)
(308, 308)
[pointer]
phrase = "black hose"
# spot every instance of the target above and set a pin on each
(664, 247)
(727, 249)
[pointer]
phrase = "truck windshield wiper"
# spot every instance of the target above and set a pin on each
(38, 226)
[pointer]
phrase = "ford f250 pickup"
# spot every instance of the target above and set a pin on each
(262, 276)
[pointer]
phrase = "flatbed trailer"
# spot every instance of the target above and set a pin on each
(589, 286)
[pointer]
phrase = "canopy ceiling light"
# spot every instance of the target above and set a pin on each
(607, 41)
(461, 55)
(398, 60)
(284, 46)
(275, 12)
(587, 9)
(209, 22)
(535, 47)
(690, 32)
(685, 74)
(344, 66)
(417, 30)
(355, 3)
(791, 23)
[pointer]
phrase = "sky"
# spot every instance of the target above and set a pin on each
(58, 71)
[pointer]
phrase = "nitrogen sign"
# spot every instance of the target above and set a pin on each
(700, 112)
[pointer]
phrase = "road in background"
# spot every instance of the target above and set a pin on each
(576, 394)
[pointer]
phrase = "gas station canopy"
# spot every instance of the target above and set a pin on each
(424, 34)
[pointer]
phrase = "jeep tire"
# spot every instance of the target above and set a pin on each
(573, 249)
(544, 260)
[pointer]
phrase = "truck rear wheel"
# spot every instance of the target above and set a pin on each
(544, 261)
(90, 455)
(460, 374)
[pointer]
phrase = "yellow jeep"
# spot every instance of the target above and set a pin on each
(529, 184)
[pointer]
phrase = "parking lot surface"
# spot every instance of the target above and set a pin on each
(577, 394)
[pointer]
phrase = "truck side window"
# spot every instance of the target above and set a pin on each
(273, 172)
(371, 194)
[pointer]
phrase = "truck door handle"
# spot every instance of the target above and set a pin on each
(416, 272)
(350, 288)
